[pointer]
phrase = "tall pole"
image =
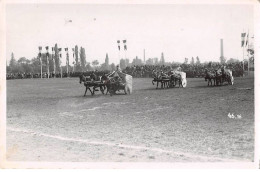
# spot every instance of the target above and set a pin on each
(248, 65)
(118, 42)
(125, 49)
(67, 61)
(54, 65)
(243, 59)
(47, 56)
(40, 56)
(60, 62)
(73, 59)
(243, 44)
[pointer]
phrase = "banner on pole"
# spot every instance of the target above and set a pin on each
(247, 39)
(243, 35)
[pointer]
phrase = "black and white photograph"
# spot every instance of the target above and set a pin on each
(129, 84)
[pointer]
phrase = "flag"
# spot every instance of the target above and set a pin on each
(243, 35)
(247, 39)
(118, 41)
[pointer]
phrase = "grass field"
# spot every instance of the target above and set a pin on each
(50, 120)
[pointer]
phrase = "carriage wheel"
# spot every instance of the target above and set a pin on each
(184, 83)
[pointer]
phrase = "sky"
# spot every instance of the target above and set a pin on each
(178, 30)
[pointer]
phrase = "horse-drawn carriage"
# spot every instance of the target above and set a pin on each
(120, 81)
(91, 82)
(170, 79)
(219, 76)
(113, 82)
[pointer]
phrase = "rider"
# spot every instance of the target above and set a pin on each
(118, 68)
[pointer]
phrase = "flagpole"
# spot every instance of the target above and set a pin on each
(40, 48)
(67, 61)
(243, 59)
(119, 59)
(118, 42)
(54, 65)
(47, 57)
(73, 60)
(248, 52)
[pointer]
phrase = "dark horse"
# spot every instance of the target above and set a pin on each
(209, 76)
(174, 79)
(106, 81)
(91, 81)
(162, 78)
(113, 84)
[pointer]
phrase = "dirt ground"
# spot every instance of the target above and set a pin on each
(50, 120)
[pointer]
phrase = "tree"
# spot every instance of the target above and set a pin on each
(35, 63)
(103, 67)
(127, 62)
(88, 67)
(24, 65)
(192, 61)
(137, 61)
(122, 64)
(13, 62)
(82, 58)
(155, 60)
(149, 61)
(56, 57)
(186, 61)
(251, 54)
(77, 65)
(113, 67)
(106, 62)
(95, 63)
(23, 60)
(197, 60)
(162, 61)
(232, 60)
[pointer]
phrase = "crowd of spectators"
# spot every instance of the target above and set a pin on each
(192, 71)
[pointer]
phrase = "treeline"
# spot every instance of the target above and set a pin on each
(79, 64)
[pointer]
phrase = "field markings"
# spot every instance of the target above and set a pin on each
(70, 113)
(159, 150)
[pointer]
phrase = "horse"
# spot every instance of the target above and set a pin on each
(210, 76)
(116, 84)
(174, 78)
(98, 83)
(160, 77)
(106, 81)
(227, 76)
(218, 77)
(178, 76)
(87, 81)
